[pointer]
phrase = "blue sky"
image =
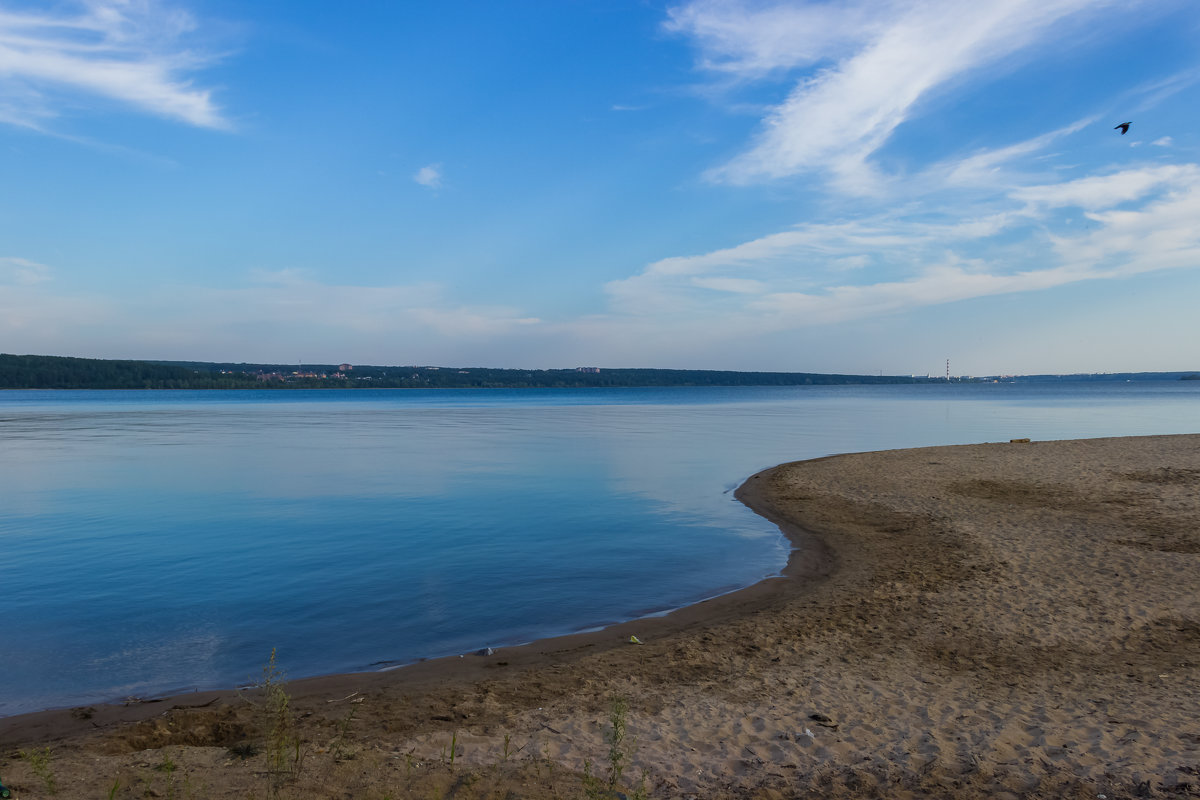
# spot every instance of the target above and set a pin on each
(835, 187)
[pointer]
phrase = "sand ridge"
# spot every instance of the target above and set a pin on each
(1001, 620)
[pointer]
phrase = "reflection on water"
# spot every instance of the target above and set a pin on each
(155, 541)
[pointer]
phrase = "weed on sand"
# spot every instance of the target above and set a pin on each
(616, 737)
(39, 762)
(283, 748)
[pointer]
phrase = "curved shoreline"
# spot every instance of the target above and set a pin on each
(809, 558)
(999, 620)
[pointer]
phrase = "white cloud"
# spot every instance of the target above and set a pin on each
(1161, 234)
(429, 176)
(986, 167)
(806, 248)
(837, 239)
(22, 271)
(850, 262)
(1105, 191)
(128, 51)
(878, 62)
(798, 260)
(1165, 141)
(996, 221)
(1156, 92)
(754, 40)
(735, 285)
(944, 283)
(1139, 220)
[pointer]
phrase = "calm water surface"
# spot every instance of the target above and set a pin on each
(160, 541)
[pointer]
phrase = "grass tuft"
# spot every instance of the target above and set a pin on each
(284, 753)
(39, 762)
(597, 787)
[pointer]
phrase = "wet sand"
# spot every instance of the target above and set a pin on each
(1000, 620)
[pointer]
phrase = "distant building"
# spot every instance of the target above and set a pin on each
(587, 369)
(345, 367)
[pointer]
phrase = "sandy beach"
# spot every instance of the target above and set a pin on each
(1017, 619)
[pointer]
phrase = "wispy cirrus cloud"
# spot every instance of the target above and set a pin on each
(1157, 234)
(990, 167)
(1138, 220)
(868, 68)
(1105, 191)
(915, 225)
(750, 41)
(947, 282)
(22, 271)
(134, 53)
(1154, 93)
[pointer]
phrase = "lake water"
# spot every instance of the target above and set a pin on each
(154, 542)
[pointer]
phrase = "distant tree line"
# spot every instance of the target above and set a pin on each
(58, 372)
(430, 377)
(1098, 377)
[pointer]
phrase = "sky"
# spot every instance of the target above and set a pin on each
(867, 186)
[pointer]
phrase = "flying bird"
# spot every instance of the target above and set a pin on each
(1124, 127)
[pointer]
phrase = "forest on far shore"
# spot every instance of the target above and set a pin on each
(61, 372)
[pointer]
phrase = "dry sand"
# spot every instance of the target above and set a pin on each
(1002, 620)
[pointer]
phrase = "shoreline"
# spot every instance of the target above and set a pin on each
(808, 559)
(995, 620)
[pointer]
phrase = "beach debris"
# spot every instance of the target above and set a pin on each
(1018, 441)
(5, 791)
(193, 705)
(634, 640)
(487, 651)
(823, 721)
(803, 736)
(347, 697)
